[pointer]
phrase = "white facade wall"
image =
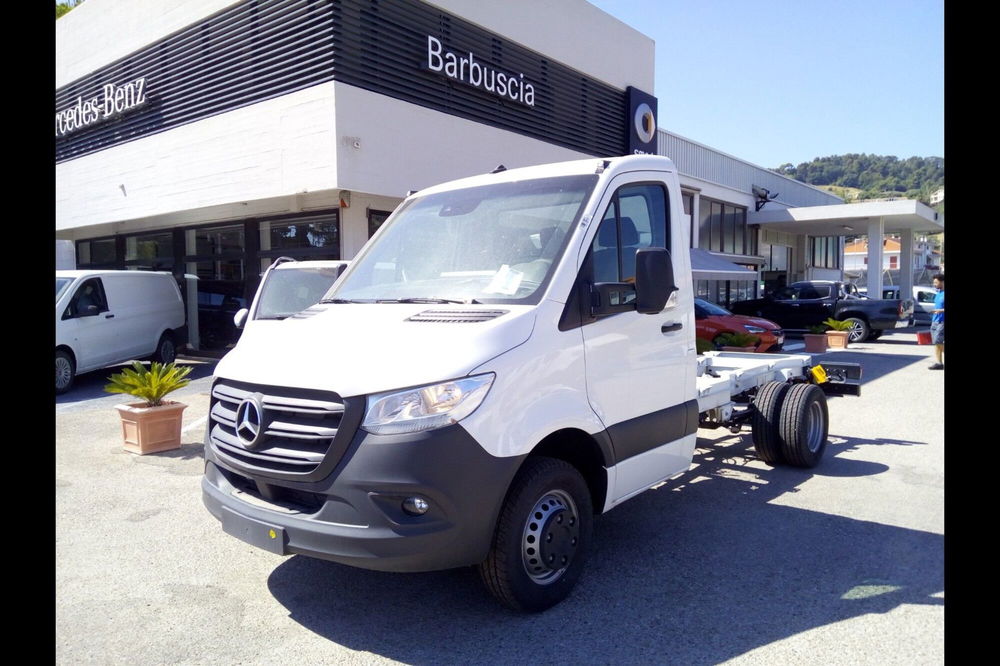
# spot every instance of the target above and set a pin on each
(296, 152)
(99, 32)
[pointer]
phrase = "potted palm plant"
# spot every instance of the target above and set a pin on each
(837, 335)
(816, 340)
(154, 424)
(741, 342)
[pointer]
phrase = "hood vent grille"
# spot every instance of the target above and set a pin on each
(457, 316)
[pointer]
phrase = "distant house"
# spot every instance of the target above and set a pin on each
(925, 255)
(938, 196)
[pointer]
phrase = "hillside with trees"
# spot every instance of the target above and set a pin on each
(875, 176)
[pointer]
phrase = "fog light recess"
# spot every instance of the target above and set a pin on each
(415, 506)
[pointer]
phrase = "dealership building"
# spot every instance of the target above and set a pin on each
(209, 137)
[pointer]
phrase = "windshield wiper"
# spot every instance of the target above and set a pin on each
(341, 300)
(426, 300)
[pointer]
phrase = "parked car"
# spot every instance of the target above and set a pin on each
(711, 320)
(107, 317)
(810, 302)
(923, 300)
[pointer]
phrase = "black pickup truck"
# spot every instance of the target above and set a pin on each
(804, 304)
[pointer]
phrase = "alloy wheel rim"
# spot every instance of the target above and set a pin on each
(63, 372)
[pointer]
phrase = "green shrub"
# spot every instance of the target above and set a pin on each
(818, 329)
(835, 325)
(150, 384)
(703, 345)
(737, 340)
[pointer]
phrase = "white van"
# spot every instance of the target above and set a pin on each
(289, 287)
(107, 317)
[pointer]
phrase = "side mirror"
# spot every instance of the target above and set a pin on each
(240, 317)
(654, 279)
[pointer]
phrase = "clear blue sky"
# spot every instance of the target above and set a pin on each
(775, 81)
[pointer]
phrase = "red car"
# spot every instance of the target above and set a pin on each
(711, 320)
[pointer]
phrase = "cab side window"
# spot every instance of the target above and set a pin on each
(635, 218)
(88, 294)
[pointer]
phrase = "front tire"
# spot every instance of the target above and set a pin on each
(860, 330)
(65, 372)
(542, 537)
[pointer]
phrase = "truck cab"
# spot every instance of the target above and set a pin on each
(508, 356)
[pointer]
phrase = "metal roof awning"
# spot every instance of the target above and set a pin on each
(851, 219)
(707, 266)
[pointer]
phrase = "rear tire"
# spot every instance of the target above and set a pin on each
(65, 372)
(804, 425)
(860, 330)
(542, 537)
(166, 352)
(875, 335)
(765, 421)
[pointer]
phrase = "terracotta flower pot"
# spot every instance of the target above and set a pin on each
(837, 339)
(151, 429)
(816, 343)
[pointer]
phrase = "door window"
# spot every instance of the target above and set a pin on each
(88, 294)
(635, 218)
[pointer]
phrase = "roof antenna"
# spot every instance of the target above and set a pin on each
(499, 168)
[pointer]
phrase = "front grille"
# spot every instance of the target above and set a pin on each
(299, 427)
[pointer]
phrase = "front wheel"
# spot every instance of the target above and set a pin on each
(542, 536)
(65, 371)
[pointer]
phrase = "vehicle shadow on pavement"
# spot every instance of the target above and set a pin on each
(704, 569)
(90, 385)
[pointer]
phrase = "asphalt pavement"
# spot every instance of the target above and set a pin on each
(732, 562)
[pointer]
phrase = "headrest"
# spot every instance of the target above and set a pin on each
(630, 236)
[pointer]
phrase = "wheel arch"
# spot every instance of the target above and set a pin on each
(68, 350)
(585, 453)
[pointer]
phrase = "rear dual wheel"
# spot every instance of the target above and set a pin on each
(790, 424)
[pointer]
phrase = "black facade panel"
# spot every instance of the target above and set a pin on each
(260, 49)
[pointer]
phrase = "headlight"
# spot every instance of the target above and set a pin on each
(425, 407)
(754, 329)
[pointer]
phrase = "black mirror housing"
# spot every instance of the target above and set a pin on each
(654, 279)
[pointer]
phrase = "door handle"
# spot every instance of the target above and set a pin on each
(109, 316)
(671, 327)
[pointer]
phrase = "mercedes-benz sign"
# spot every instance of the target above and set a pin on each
(250, 421)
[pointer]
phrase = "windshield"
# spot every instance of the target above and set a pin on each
(494, 243)
(290, 290)
(712, 309)
(61, 284)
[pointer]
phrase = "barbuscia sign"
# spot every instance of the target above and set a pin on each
(466, 69)
(114, 100)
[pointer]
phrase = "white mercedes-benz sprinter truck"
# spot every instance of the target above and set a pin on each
(508, 356)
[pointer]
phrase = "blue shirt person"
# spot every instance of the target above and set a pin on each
(937, 322)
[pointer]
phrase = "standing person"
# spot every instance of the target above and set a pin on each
(937, 322)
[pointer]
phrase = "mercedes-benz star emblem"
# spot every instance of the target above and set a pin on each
(250, 421)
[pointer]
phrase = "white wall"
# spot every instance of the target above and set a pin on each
(98, 32)
(407, 147)
(573, 32)
(276, 148)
